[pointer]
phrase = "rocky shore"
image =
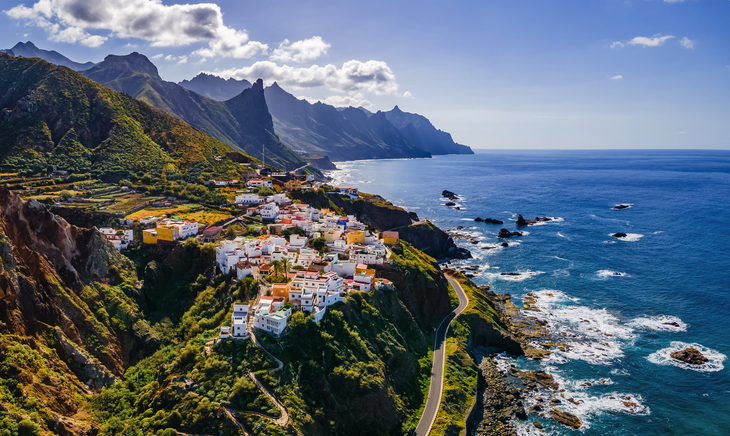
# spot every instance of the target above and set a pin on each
(521, 221)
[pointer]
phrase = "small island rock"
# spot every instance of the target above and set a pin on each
(622, 206)
(450, 195)
(504, 233)
(618, 235)
(689, 355)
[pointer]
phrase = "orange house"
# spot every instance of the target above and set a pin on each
(280, 290)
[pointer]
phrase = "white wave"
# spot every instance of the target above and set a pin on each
(561, 235)
(630, 237)
(609, 242)
(665, 323)
(524, 233)
(620, 371)
(518, 277)
(609, 273)
(663, 357)
(592, 335)
(557, 257)
(657, 232)
(553, 219)
(503, 364)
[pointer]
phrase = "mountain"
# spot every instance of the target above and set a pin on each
(215, 87)
(349, 134)
(242, 123)
(29, 50)
(419, 130)
(50, 115)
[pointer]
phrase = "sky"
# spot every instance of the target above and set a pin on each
(519, 74)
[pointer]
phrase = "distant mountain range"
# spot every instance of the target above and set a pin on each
(29, 50)
(54, 116)
(215, 87)
(255, 120)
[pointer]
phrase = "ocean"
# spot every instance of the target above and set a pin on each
(622, 305)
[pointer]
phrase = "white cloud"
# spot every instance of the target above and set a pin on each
(150, 20)
(407, 94)
(618, 77)
(157, 56)
(687, 43)
(170, 57)
(183, 60)
(300, 51)
(354, 76)
(645, 41)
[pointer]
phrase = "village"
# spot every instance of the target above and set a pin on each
(303, 258)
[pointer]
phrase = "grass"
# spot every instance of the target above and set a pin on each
(148, 212)
(205, 216)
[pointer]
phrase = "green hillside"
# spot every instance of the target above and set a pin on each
(242, 123)
(54, 116)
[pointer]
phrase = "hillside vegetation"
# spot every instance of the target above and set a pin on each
(51, 115)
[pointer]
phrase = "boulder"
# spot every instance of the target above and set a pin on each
(504, 233)
(538, 219)
(450, 204)
(618, 235)
(689, 355)
(521, 221)
(488, 221)
(450, 195)
(565, 418)
(621, 206)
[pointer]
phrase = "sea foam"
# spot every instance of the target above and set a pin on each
(630, 237)
(663, 357)
(665, 323)
(609, 273)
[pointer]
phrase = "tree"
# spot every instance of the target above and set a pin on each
(277, 268)
(265, 191)
(65, 195)
(285, 265)
(318, 244)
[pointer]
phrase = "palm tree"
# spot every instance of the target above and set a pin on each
(286, 265)
(276, 266)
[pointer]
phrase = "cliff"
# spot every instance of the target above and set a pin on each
(69, 321)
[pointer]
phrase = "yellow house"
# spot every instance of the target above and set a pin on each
(164, 234)
(390, 237)
(293, 185)
(280, 290)
(149, 236)
(356, 237)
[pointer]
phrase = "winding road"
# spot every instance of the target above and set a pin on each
(439, 361)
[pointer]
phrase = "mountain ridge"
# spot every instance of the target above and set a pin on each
(215, 87)
(52, 115)
(29, 50)
(419, 130)
(136, 75)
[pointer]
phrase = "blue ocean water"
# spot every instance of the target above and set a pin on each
(621, 305)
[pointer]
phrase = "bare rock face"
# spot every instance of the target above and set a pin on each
(58, 275)
(689, 355)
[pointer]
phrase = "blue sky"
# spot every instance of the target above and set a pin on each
(496, 74)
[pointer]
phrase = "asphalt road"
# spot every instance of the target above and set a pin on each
(439, 361)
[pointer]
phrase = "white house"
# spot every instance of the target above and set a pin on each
(248, 199)
(238, 321)
(269, 211)
(244, 269)
(258, 183)
(120, 241)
